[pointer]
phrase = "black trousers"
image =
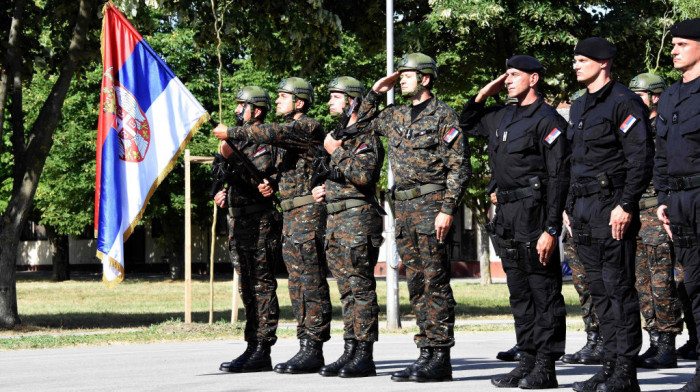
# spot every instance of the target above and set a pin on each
(536, 301)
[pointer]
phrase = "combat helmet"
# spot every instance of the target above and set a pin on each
(347, 85)
(648, 82)
(255, 96)
(299, 88)
(419, 62)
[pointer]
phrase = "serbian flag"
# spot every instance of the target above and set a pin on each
(147, 117)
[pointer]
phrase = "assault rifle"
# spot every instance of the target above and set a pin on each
(237, 162)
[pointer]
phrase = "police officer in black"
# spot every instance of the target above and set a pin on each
(677, 162)
(611, 166)
(530, 160)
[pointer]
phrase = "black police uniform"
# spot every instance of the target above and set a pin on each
(529, 156)
(611, 165)
(677, 176)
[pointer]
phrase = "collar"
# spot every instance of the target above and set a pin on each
(429, 109)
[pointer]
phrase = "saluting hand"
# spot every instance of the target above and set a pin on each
(661, 214)
(386, 83)
(491, 89)
(221, 132)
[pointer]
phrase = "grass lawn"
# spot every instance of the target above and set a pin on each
(85, 312)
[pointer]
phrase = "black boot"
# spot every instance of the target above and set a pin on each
(259, 361)
(653, 347)
(282, 367)
(665, 357)
(688, 350)
(587, 352)
(694, 384)
(311, 359)
(542, 376)
(235, 364)
(598, 354)
(362, 364)
(333, 368)
(512, 355)
(438, 369)
(624, 379)
(426, 353)
(511, 380)
(591, 384)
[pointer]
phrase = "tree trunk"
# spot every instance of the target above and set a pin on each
(484, 254)
(60, 258)
(29, 161)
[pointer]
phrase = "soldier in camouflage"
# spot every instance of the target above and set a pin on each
(354, 227)
(303, 219)
(430, 161)
(255, 227)
(654, 263)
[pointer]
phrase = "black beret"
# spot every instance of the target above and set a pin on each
(524, 63)
(689, 28)
(595, 48)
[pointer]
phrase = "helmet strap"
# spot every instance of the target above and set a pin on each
(240, 116)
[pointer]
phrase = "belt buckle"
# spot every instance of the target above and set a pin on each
(679, 183)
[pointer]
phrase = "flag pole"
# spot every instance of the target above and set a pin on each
(188, 241)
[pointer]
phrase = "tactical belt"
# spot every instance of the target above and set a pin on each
(417, 191)
(592, 187)
(514, 195)
(684, 236)
(296, 202)
(648, 202)
(343, 205)
(235, 212)
(683, 183)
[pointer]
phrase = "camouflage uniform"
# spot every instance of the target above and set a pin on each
(428, 150)
(304, 224)
(354, 235)
(254, 244)
(578, 273)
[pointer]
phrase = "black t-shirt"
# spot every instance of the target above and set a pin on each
(416, 109)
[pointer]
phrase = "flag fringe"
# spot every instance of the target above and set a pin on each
(113, 264)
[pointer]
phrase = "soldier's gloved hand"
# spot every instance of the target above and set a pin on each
(220, 198)
(319, 193)
(661, 214)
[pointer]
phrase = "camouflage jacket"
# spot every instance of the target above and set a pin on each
(299, 138)
(242, 193)
(429, 150)
(360, 159)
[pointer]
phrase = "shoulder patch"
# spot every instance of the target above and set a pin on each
(363, 147)
(552, 136)
(451, 135)
(260, 152)
(628, 123)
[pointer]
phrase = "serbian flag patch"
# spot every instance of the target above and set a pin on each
(363, 147)
(552, 136)
(628, 123)
(451, 135)
(260, 152)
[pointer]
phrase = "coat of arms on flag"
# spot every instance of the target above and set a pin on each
(147, 117)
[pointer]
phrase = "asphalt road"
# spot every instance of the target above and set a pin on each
(194, 367)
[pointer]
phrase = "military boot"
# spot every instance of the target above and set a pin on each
(512, 355)
(542, 376)
(587, 352)
(259, 361)
(438, 369)
(591, 384)
(511, 380)
(694, 384)
(362, 363)
(426, 353)
(282, 367)
(311, 359)
(598, 354)
(348, 352)
(688, 350)
(653, 347)
(236, 363)
(624, 379)
(665, 357)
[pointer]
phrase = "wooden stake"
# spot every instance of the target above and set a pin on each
(211, 268)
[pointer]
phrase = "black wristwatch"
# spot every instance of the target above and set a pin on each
(551, 230)
(627, 207)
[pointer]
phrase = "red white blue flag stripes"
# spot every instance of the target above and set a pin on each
(147, 117)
